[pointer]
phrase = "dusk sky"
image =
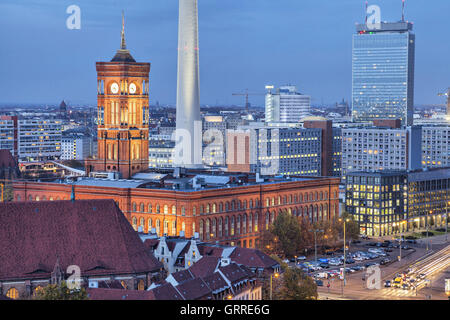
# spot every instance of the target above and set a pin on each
(243, 44)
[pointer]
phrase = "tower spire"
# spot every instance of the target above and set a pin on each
(403, 10)
(123, 45)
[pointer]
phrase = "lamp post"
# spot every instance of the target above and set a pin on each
(276, 276)
(401, 239)
(428, 240)
(315, 243)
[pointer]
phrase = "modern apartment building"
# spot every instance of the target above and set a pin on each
(39, 139)
(287, 105)
(377, 148)
(435, 146)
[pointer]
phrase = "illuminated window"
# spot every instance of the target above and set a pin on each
(12, 293)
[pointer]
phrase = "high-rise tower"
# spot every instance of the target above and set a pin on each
(188, 150)
(122, 114)
(383, 72)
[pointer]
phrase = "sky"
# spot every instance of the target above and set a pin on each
(244, 44)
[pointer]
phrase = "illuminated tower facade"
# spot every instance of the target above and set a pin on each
(123, 114)
(188, 150)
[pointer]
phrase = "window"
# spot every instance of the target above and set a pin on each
(174, 210)
(134, 207)
(158, 209)
(150, 208)
(142, 207)
(12, 293)
(134, 223)
(150, 226)
(166, 209)
(183, 211)
(141, 285)
(194, 211)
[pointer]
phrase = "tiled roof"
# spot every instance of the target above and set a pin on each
(252, 258)
(204, 266)
(93, 234)
(208, 249)
(215, 281)
(166, 292)
(182, 276)
(151, 243)
(118, 294)
(234, 273)
(194, 289)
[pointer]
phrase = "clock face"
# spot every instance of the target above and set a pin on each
(132, 88)
(114, 88)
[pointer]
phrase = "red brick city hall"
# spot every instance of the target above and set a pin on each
(223, 208)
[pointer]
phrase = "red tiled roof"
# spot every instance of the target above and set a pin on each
(208, 249)
(215, 281)
(204, 266)
(194, 289)
(118, 294)
(93, 234)
(166, 292)
(252, 258)
(234, 273)
(182, 276)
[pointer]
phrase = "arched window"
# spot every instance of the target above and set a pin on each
(300, 197)
(221, 207)
(238, 225)
(166, 227)
(166, 210)
(316, 197)
(18, 197)
(220, 227)
(320, 212)
(273, 201)
(183, 211)
(158, 209)
(51, 198)
(150, 207)
(267, 202)
(174, 228)
(326, 195)
(194, 210)
(12, 293)
(245, 204)
(141, 285)
(193, 228)
(267, 220)
(43, 198)
(251, 204)
(213, 227)
(202, 210)
(150, 225)
(174, 210)
(232, 226)
(250, 223)
(183, 226)
(37, 198)
(284, 200)
(142, 223)
(134, 223)
(290, 211)
(30, 198)
(256, 222)
(290, 198)
(214, 208)
(321, 195)
(207, 229)
(158, 227)
(279, 200)
(207, 208)
(201, 229)
(227, 206)
(142, 207)
(272, 216)
(325, 211)
(225, 227)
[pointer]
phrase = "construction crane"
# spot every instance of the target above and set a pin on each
(246, 94)
(446, 94)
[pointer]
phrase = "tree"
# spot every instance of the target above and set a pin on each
(294, 285)
(351, 227)
(60, 292)
(288, 234)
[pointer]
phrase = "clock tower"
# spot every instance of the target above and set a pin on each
(123, 114)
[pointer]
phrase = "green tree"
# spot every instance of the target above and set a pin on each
(294, 284)
(60, 292)
(288, 234)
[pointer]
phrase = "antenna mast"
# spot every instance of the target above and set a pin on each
(365, 21)
(403, 10)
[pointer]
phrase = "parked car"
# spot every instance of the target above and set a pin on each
(387, 283)
(319, 283)
(384, 261)
(300, 258)
(349, 260)
(286, 260)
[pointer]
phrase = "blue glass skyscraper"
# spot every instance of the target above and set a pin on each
(383, 72)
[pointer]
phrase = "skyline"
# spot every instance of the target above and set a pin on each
(62, 65)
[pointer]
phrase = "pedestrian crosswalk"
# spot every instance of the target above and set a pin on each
(396, 292)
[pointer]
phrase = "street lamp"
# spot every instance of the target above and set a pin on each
(276, 275)
(315, 243)
(431, 211)
(401, 239)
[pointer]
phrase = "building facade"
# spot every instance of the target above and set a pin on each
(75, 146)
(219, 210)
(39, 139)
(435, 146)
(381, 148)
(389, 202)
(383, 72)
(9, 134)
(287, 105)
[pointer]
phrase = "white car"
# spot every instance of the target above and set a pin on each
(358, 258)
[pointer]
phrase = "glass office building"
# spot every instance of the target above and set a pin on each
(383, 72)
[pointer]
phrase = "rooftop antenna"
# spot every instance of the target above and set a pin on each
(403, 10)
(365, 21)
